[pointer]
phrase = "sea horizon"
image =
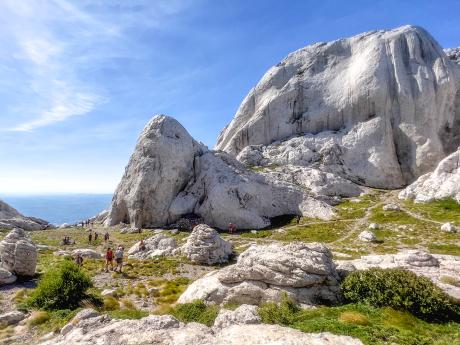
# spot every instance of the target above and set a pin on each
(58, 208)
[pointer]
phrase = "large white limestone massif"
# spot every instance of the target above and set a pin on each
(381, 108)
(170, 175)
(443, 182)
(10, 218)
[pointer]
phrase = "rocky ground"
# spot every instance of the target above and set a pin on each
(153, 285)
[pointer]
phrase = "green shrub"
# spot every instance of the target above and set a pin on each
(61, 288)
(283, 313)
(196, 311)
(402, 290)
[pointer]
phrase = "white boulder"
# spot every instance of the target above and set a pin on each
(374, 226)
(205, 246)
(305, 272)
(157, 245)
(87, 253)
(443, 182)
(367, 236)
(380, 108)
(170, 175)
(18, 253)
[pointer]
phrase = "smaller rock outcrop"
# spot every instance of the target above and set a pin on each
(157, 245)
(18, 253)
(6, 277)
(10, 218)
(243, 315)
(391, 207)
(11, 318)
(443, 182)
(305, 272)
(205, 246)
(87, 253)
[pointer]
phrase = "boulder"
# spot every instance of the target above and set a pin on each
(6, 277)
(166, 330)
(367, 236)
(205, 246)
(432, 266)
(449, 227)
(243, 315)
(87, 253)
(374, 226)
(18, 253)
(170, 176)
(10, 218)
(157, 245)
(305, 272)
(11, 318)
(380, 108)
(443, 182)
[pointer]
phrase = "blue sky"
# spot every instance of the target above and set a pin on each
(79, 79)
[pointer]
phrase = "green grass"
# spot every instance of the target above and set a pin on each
(258, 234)
(445, 210)
(449, 249)
(169, 290)
(128, 313)
(374, 326)
(196, 311)
(320, 232)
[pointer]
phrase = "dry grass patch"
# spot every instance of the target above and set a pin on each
(354, 317)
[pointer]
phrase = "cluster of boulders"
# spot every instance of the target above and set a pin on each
(18, 256)
(239, 327)
(203, 246)
(304, 272)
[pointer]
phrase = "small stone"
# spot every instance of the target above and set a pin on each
(6, 277)
(67, 328)
(108, 292)
(391, 207)
(374, 226)
(11, 318)
(367, 236)
(449, 227)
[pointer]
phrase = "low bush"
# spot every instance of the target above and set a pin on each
(401, 290)
(283, 313)
(62, 288)
(196, 311)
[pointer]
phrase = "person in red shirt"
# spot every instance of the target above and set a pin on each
(108, 259)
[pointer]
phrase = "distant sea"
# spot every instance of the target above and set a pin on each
(59, 209)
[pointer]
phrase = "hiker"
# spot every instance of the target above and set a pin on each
(96, 235)
(119, 258)
(297, 218)
(108, 259)
(231, 228)
(106, 236)
(142, 245)
(90, 236)
(79, 259)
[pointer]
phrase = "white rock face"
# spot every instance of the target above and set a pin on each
(262, 273)
(443, 182)
(18, 253)
(316, 181)
(453, 54)
(157, 245)
(166, 330)
(367, 236)
(381, 108)
(243, 315)
(170, 175)
(422, 263)
(10, 218)
(204, 246)
(449, 227)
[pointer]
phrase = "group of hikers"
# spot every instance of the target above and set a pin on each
(109, 258)
(96, 236)
(67, 241)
